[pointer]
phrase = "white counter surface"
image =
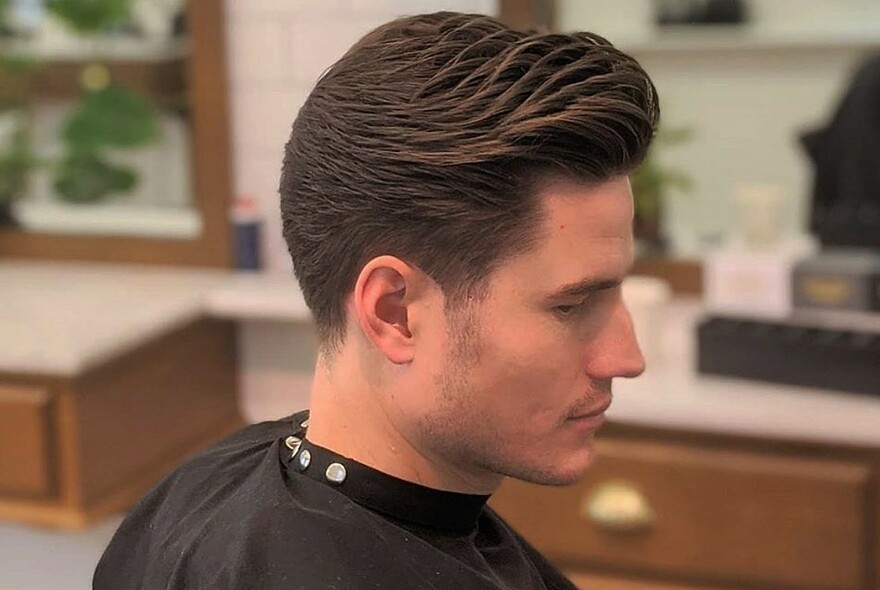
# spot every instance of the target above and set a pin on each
(251, 296)
(60, 319)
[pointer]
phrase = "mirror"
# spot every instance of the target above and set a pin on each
(113, 131)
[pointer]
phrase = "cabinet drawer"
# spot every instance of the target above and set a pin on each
(25, 458)
(596, 582)
(705, 514)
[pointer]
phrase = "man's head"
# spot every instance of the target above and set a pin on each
(444, 183)
(428, 139)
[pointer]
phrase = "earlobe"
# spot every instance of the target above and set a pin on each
(381, 302)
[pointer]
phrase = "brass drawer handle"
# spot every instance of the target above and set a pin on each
(618, 507)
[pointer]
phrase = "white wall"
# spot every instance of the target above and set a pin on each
(746, 96)
(747, 109)
(277, 49)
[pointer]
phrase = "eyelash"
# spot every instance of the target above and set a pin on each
(579, 309)
(567, 311)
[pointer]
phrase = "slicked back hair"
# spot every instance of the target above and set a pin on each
(429, 139)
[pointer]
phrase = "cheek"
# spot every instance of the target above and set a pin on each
(529, 370)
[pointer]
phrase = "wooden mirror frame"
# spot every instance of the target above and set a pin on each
(211, 161)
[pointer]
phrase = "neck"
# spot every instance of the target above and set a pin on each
(348, 416)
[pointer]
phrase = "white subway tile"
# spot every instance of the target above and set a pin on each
(244, 9)
(324, 8)
(262, 117)
(315, 46)
(236, 9)
(371, 7)
(257, 174)
(394, 8)
(257, 52)
(407, 7)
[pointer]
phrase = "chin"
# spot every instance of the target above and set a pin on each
(562, 472)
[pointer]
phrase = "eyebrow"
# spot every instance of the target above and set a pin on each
(589, 286)
(585, 287)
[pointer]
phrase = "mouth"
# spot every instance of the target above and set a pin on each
(592, 417)
(592, 412)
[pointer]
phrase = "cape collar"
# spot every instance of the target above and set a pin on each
(440, 510)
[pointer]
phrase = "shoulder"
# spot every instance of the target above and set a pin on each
(220, 470)
(230, 518)
(216, 500)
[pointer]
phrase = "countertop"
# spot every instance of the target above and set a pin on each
(60, 319)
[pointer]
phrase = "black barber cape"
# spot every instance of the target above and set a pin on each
(258, 511)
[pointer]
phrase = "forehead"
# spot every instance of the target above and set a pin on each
(585, 233)
(573, 210)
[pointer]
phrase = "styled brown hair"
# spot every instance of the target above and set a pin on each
(429, 139)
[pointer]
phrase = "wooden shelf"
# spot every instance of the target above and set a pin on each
(59, 80)
(685, 277)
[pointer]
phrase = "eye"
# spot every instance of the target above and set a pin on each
(570, 310)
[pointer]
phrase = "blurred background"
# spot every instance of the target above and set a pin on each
(148, 307)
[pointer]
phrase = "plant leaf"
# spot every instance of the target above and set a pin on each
(19, 64)
(4, 15)
(653, 181)
(86, 178)
(91, 16)
(16, 160)
(14, 169)
(114, 117)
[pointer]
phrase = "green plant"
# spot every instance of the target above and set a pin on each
(16, 162)
(16, 157)
(4, 13)
(106, 116)
(653, 182)
(110, 117)
(82, 177)
(91, 16)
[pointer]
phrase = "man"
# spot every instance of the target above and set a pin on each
(455, 199)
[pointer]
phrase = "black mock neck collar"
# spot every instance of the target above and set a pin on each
(390, 496)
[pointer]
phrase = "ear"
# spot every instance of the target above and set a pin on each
(384, 297)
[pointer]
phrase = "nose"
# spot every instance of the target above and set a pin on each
(616, 353)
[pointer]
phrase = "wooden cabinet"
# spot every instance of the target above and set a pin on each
(596, 582)
(664, 510)
(77, 448)
(26, 463)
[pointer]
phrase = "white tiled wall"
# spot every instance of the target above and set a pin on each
(277, 49)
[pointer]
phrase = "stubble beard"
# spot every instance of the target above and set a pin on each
(468, 440)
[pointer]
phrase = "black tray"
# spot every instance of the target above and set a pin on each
(824, 358)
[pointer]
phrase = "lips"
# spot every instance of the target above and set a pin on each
(593, 412)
